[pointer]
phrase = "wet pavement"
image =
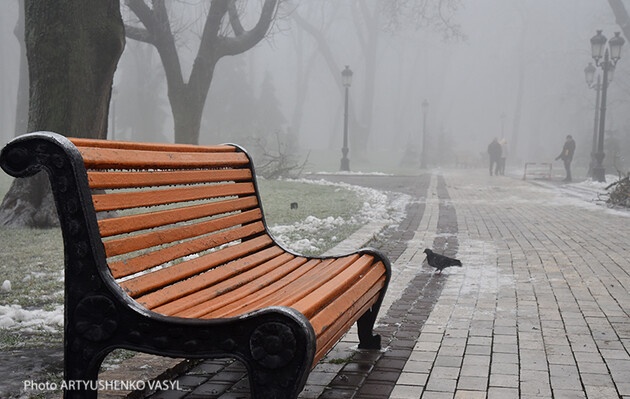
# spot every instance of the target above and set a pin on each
(539, 310)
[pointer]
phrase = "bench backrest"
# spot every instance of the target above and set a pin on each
(168, 212)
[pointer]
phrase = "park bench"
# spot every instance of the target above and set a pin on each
(537, 170)
(167, 252)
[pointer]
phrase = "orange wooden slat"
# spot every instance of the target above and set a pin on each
(327, 341)
(240, 286)
(133, 145)
(132, 179)
(226, 306)
(319, 298)
(127, 244)
(191, 290)
(299, 288)
(137, 199)
(152, 259)
(163, 277)
(128, 224)
(114, 158)
(341, 307)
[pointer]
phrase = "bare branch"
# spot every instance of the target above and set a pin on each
(158, 27)
(621, 16)
(235, 20)
(357, 25)
(323, 46)
(143, 12)
(139, 34)
(248, 39)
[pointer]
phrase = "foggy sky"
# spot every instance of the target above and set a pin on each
(469, 83)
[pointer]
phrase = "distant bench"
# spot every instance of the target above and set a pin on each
(537, 170)
(167, 252)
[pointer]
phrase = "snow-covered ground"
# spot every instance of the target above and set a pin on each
(312, 233)
(588, 193)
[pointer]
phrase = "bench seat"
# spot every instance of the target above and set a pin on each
(167, 252)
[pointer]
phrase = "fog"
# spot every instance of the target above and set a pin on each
(516, 72)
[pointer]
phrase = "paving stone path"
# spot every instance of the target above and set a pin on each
(540, 309)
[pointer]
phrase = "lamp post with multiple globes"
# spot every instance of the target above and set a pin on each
(589, 74)
(611, 56)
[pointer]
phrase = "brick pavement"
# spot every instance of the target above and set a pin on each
(539, 310)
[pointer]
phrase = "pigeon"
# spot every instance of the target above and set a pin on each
(440, 262)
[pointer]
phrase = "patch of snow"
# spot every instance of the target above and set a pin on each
(28, 320)
(376, 207)
(352, 173)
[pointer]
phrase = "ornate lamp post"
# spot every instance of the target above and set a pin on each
(346, 80)
(423, 156)
(598, 49)
(589, 74)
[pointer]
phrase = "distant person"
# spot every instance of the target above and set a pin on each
(567, 156)
(502, 159)
(494, 151)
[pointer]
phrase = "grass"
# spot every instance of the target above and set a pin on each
(313, 200)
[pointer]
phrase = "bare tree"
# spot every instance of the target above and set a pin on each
(373, 18)
(21, 109)
(73, 47)
(223, 35)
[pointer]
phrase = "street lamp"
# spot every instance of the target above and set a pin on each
(423, 156)
(346, 80)
(611, 56)
(589, 75)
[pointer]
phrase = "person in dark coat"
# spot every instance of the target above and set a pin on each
(567, 156)
(494, 151)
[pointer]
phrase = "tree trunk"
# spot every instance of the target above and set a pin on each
(323, 46)
(302, 79)
(367, 25)
(73, 47)
(188, 99)
(21, 109)
(368, 98)
(187, 113)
